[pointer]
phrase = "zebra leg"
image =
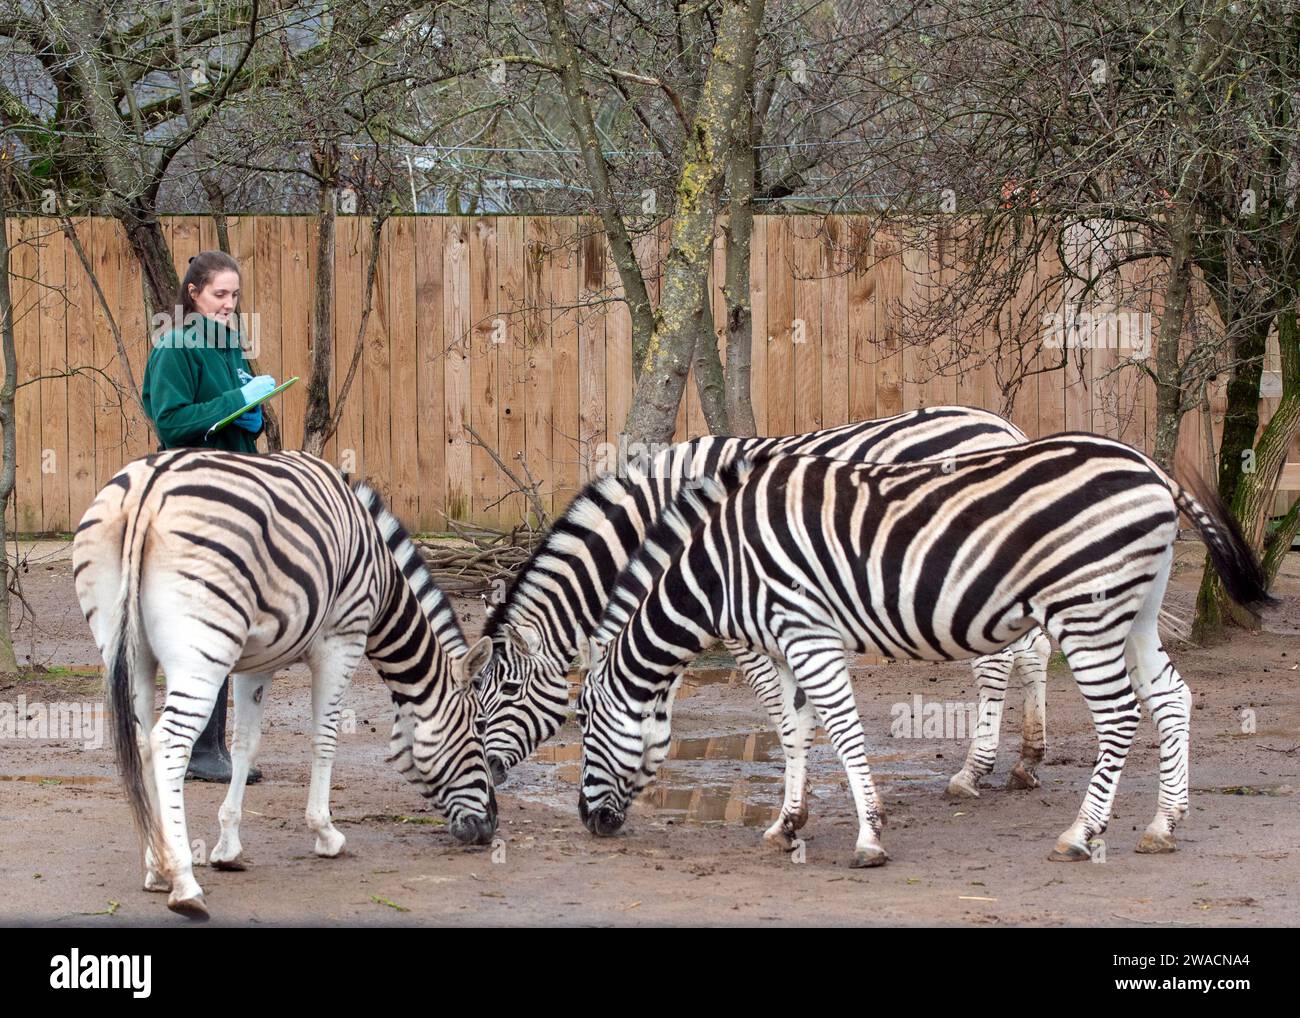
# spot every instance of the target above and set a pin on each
(796, 727)
(820, 666)
(1100, 670)
(249, 690)
(991, 674)
(142, 702)
(1031, 657)
(331, 668)
(186, 709)
(1168, 699)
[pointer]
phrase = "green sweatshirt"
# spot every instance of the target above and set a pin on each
(192, 380)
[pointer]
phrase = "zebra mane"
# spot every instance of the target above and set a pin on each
(681, 518)
(568, 534)
(433, 602)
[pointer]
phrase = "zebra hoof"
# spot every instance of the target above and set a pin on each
(329, 843)
(963, 786)
(1021, 778)
(871, 855)
(1066, 851)
(779, 837)
(235, 865)
(191, 908)
(1157, 844)
(156, 883)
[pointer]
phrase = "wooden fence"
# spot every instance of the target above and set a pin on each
(509, 325)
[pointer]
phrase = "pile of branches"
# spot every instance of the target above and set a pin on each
(478, 557)
(481, 559)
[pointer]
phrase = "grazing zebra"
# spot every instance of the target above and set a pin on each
(556, 600)
(806, 558)
(212, 563)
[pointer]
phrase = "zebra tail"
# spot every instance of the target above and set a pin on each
(121, 684)
(1236, 563)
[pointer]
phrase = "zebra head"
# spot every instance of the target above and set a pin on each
(443, 737)
(525, 694)
(625, 738)
(432, 672)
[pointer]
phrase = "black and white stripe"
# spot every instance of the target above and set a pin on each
(557, 598)
(212, 563)
(806, 559)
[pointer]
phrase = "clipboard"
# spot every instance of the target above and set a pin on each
(251, 406)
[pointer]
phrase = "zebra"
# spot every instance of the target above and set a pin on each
(806, 558)
(556, 599)
(212, 563)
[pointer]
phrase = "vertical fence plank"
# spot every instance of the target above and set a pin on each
(351, 265)
(780, 324)
(758, 297)
(808, 269)
(404, 403)
(108, 416)
(432, 354)
(485, 373)
(592, 385)
(54, 461)
(834, 286)
(83, 385)
(456, 334)
(512, 414)
(265, 341)
(539, 248)
(861, 320)
(140, 438)
(375, 395)
(26, 293)
(618, 354)
(297, 298)
(566, 372)
(889, 356)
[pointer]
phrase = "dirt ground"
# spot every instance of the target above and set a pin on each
(691, 853)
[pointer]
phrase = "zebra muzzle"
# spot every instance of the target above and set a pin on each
(477, 830)
(602, 821)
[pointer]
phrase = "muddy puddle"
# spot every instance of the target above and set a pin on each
(725, 779)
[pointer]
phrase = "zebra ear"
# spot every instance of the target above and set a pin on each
(526, 639)
(466, 668)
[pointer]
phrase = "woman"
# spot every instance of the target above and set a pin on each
(197, 376)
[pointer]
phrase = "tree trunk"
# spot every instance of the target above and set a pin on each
(707, 365)
(1169, 390)
(144, 233)
(635, 293)
(667, 358)
(740, 315)
(1240, 422)
(8, 471)
(1257, 490)
(317, 422)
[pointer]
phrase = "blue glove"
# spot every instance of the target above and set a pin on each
(257, 388)
(251, 421)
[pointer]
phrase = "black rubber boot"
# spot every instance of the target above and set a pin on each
(209, 760)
